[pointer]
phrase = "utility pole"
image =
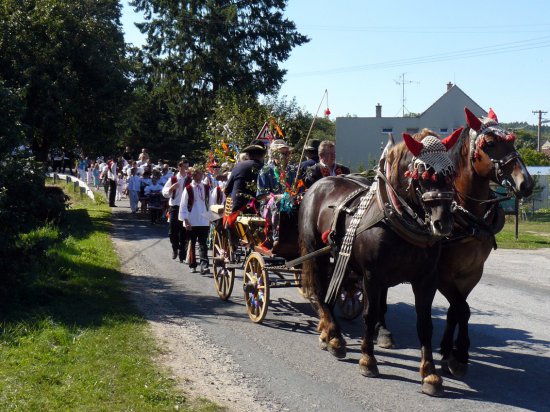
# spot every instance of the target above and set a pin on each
(540, 113)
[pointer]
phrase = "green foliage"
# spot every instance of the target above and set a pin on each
(194, 50)
(11, 131)
(72, 340)
(25, 205)
(237, 119)
(66, 62)
(533, 158)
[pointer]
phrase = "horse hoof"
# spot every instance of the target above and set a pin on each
(369, 371)
(430, 389)
(457, 369)
(339, 353)
(322, 344)
(385, 341)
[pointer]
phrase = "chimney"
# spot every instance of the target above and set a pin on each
(378, 110)
(449, 85)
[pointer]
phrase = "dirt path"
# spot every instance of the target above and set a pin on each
(200, 368)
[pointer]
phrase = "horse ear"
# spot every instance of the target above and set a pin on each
(414, 146)
(452, 138)
(472, 120)
(389, 145)
(492, 115)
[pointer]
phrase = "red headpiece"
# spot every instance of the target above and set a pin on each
(472, 120)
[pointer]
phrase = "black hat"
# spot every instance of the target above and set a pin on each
(312, 145)
(254, 148)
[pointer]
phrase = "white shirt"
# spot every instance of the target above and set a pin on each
(199, 215)
(174, 200)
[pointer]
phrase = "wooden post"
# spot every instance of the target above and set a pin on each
(516, 203)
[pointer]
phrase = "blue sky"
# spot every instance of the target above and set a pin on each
(496, 52)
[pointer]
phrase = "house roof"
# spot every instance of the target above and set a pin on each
(453, 90)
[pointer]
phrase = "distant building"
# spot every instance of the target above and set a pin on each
(541, 200)
(360, 140)
(545, 148)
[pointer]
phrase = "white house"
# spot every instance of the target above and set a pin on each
(542, 176)
(360, 140)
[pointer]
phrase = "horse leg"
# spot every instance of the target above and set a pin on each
(424, 293)
(368, 366)
(384, 336)
(458, 361)
(330, 337)
(448, 337)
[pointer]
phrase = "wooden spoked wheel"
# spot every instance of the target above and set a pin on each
(351, 300)
(256, 287)
(224, 278)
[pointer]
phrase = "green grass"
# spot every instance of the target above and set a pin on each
(532, 234)
(72, 340)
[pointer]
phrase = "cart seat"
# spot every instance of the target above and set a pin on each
(251, 220)
(217, 209)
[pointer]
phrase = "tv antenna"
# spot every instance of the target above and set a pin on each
(402, 82)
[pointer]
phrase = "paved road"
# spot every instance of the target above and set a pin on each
(280, 360)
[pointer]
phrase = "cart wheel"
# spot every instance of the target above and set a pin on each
(256, 287)
(351, 301)
(221, 255)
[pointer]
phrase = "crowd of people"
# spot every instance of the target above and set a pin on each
(262, 181)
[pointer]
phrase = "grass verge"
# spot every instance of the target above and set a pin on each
(532, 234)
(72, 339)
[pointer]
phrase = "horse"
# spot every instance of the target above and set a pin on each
(417, 181)
(484, 154)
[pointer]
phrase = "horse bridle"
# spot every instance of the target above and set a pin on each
(498, 164)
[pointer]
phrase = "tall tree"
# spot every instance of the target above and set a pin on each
(67, 61)
(197, 47)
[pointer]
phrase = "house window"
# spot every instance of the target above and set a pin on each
(443, 130)
(387, 130)
(412, 130)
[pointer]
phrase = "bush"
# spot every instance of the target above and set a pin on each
(25, 205)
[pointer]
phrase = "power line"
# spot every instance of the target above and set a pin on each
(447, 56)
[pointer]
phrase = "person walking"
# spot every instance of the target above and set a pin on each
(112, 177)
(194, 214)
(172, 190)
(134, 182)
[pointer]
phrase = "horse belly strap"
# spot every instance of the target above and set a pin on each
(346, 246)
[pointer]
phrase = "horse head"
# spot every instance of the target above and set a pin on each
(493, 154)
(431, 174)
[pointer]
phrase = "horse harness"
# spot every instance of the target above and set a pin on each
(391, 209)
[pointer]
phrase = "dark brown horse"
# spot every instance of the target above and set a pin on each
(383, 253)
(484, 153)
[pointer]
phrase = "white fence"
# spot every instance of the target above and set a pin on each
(77, 183)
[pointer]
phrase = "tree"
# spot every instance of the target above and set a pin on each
(197, 48)
(236, 120)
(533, 158)
(66, 60)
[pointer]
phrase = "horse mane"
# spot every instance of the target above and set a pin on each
(399, 158)
(459, 152)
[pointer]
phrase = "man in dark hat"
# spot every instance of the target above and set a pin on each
(312, 158)
(241, 185)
